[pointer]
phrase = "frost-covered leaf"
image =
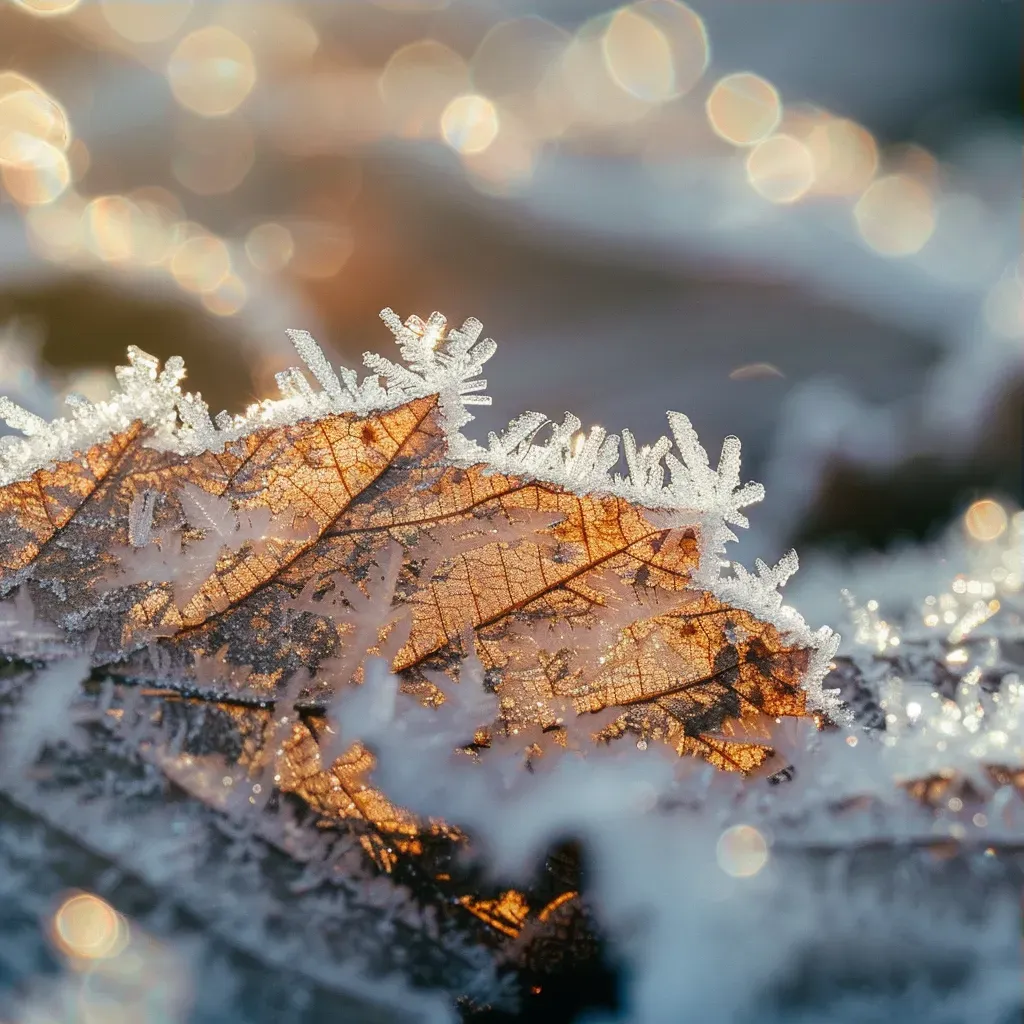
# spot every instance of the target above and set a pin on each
(255, 543)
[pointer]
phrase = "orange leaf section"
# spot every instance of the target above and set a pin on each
(575, 605)
(34, 511)
(342, 790)
(506, 914)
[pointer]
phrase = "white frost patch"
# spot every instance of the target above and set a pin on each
(21, 630)
(759, 594)
(167, 557)
(43, 715)
(370, 619)
(140, 518)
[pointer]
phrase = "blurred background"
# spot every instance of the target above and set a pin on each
(798, 223)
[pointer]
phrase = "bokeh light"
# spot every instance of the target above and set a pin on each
(581, 89)
(211, 71)
(506, 166)
(780, 168)
(514, 56)
(111, 224)
(743, 108)
(914, 160)
(756, 371)
(46, 8)
(418, 82)
(845, 156)
(895, 215)
(159, 213)
(160, 200)
(27, 111)
(201, 262)
(656, 49)
(34, 134)
(270, 247)
(638, 56)
(87, 927)
(986, 520)
(469, 123)
(227, 298)
(280, 37)
(35, 171)
(741, 851)
(145, 22)
(321, 249)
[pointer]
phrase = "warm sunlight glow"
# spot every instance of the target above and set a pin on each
(985, 520)
(270, 247)
(46, 8)
(655, 49)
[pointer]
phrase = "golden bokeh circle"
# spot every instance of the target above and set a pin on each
(211, 71)
(270, 247)
(895, 216)
(780, 168)
(87, 927)
(201, 263)
(469, 123)
(986, 520)
(46, 8)
(743, 108)
(741, 851)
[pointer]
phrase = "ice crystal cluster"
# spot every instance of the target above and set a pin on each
(236, 806)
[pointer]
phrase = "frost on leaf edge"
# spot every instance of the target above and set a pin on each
(672, 477)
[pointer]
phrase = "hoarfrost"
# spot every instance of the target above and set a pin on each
(43, 716)
(167, 557)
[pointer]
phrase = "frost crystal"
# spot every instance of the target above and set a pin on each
(140, 518)
(43, 716)
(144, 395)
